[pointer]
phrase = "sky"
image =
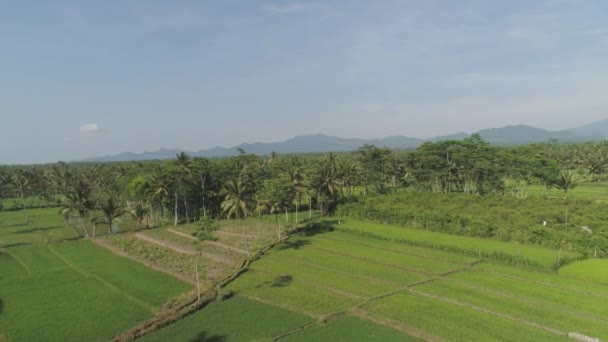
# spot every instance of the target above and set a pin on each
(82, 79)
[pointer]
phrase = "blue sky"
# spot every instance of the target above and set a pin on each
(88, 78)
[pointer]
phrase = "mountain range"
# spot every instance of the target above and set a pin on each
(315, 143)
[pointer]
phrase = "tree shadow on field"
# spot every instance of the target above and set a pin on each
(321, 227)
(16, 244)
(203, 337)
(27, 231)
(1, 306)
(295, 244)
(280, 281)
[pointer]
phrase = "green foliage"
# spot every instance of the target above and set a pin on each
(495, 217)
(205, 228)
(495, 250)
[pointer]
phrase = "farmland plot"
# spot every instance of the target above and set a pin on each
(76, 291)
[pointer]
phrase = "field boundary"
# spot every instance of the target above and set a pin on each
(399, 326)
(540, 282)
(19, 261)
(488, 311)
(332, 316)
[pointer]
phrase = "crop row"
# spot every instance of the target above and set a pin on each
(550, 316)
(282, 291)
(487, 249)
(422, 252)
(454, 322)
(388, 257)
(342, 263)
(328, 278)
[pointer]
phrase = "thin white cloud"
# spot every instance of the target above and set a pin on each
(92, 127)
(288, 8)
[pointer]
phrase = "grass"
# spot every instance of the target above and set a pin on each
(33, 226)
(455, 323)
(595, 270)
(522, 307)
(590, 191)
(498, 250)
(76, 291)
(350, 329)
(236, 319)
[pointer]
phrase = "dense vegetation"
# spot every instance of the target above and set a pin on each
(186, 189)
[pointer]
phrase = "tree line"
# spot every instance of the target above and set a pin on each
(187, 189)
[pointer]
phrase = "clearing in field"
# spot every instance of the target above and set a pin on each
(24, 227)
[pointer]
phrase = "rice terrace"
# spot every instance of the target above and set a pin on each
(291, 170)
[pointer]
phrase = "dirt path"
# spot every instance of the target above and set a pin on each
(226, 247)
(187, 236)
(212, 243)
(225, 233)
(217, 258)
(146, 263)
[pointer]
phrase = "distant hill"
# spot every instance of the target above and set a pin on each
(522, 134)
(508, 135)
(597, 130)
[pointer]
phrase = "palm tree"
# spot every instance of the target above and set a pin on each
(567, 180)
(21, 181)
(237, 202)
(182, 175)
(327, 182)
(160, 186)
(139, 212)
(111, 208)
(296, 183)
(77, 202)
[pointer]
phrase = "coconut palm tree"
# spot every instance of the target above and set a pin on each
(238, 201)
(327, 182)
(111, 208)
(182, 176)
(160, 186)
(296, 182)
(139, 211)
(77, 202)
(567, 180)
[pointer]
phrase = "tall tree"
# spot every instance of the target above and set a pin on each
(111, 208)
(77, 202)
(238, 201)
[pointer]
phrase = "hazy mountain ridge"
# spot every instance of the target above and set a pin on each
(508, 135)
